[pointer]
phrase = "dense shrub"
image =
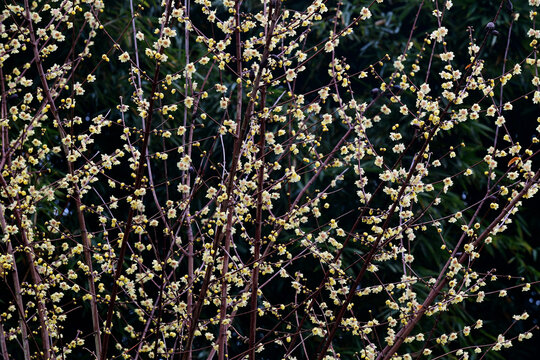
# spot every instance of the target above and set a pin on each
(309, 180)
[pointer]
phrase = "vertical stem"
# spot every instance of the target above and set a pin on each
(86, 242)
(187, 178)
(138, 180)
(3, 129)
(15, 273)
(18, 292)
(258, 235)
(88, 259)
(223, 307)
(222, 337)
(20, 305)
(3, 346)
(121, 256)
(37, 281)
(42, 311)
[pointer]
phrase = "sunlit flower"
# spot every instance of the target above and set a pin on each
(123, 57)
